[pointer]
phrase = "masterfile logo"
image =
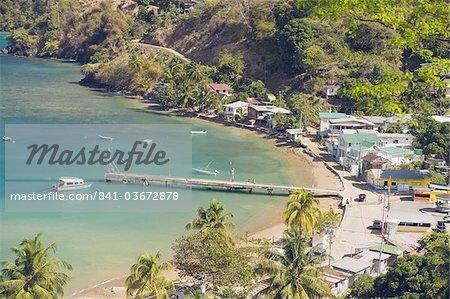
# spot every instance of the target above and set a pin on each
(82, 167)
(140, 153)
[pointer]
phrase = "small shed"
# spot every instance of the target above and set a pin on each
(294, 135)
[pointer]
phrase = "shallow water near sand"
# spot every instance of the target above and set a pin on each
(100, 245)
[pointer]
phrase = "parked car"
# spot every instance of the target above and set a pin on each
(362, 197)
(441, 227)
(446, 219)
(377, 224)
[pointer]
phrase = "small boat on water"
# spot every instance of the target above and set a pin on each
(147, 141)
(199, 132)
(206, 171)
(7, 139)
(70, 184)
(105, 137)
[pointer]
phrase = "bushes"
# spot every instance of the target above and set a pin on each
(135, 73)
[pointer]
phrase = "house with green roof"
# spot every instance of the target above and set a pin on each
(325, 118)
(350, 148)
(398, 155)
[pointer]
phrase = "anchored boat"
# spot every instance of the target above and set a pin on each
(199, 132)
(105, 137)
(206, 171)
(70, 183)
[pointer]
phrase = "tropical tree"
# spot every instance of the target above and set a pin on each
(212, 217)
(211, 253)
(328, 219)
(291, 273)
(146, 280)
(302, 211)
(33, 274)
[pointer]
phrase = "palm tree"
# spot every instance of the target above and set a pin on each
(290, 273)
(302, 211)
(33, 274)
(196, 73)
(213, 217)
(146, 281)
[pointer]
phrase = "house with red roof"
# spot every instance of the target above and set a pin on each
(221, 89)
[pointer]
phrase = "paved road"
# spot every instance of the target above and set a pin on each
(356, 229)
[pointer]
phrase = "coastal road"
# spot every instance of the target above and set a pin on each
(164, 49)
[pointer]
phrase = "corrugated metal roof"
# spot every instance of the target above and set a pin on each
(401, 174)
(387, 248)
(359, 138)
(351, 264)
(332, 115)
(397, 151)
(238, 104)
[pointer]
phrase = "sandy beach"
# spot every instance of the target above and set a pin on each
(264, 225)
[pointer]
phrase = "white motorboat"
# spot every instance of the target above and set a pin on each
(70, 183)
(105, 137)
(7, 139)
(147, 141)
(199, 132)
(206, 171)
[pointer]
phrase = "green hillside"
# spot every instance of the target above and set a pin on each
(387, 56)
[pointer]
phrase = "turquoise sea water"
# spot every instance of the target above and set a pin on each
(101, 246)
(3, 41)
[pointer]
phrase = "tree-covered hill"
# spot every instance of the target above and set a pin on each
(388, 56)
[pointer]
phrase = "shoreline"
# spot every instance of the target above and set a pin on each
(267, 224)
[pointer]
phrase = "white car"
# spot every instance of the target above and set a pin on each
(446, 219)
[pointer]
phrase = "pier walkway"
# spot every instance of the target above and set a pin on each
(147, 179)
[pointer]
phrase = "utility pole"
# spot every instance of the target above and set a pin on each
(387, 191)
(330, 232)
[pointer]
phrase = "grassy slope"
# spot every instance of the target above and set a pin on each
(201, 37)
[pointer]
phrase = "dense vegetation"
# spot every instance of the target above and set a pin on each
(388, 57)
(33, 274)
(412, 276)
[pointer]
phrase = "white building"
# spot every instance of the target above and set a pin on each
(239, 107)
(337, 126)
(325, 118)
(397, 140)
(221, 89)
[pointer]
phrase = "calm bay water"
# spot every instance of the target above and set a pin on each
(101, 246)
(3, 41)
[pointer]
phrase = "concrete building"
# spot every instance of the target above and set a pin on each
(221, 89)
(325, 118)
(337, 126)
(353, 267)
(232, 109)
(264, 114)
(400, 221)
(397, 140)
(399, 179)
(337, 280)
